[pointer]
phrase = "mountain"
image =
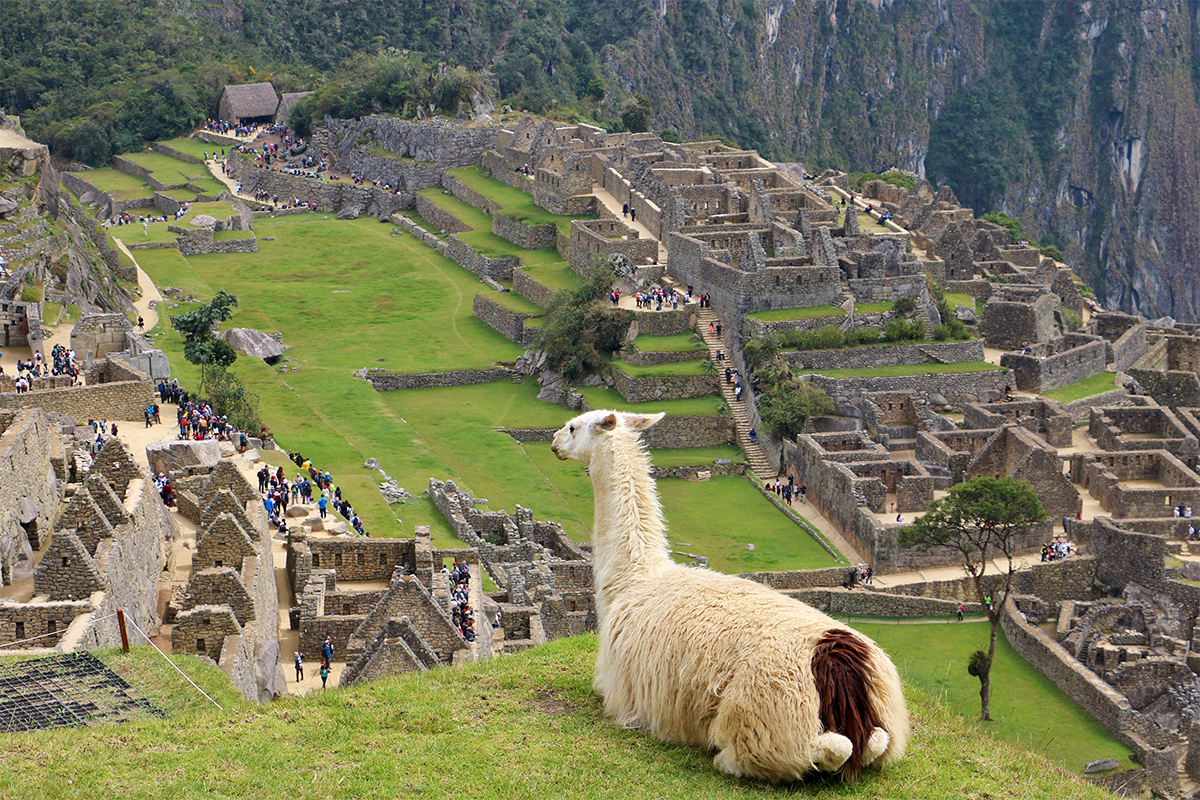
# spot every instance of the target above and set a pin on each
(1078, 117)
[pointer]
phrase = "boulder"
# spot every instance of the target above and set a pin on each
(298, 510)
(350, 212)
(372, 463)
(228, 450)
(1103, 765)
(254, 343)
(170, 456)
(334, 528)
(967, 315)
(314, 523)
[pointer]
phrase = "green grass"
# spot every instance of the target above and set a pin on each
(1100, 382)
(121, 185)
(194, 147)
(556, 276)
(158, 231)
(906, 369)
(676, 343)
(598, 397)
(168, 170)
(960, 299)
(226, 235)
(513, 203)
(422, 222)
(787, 314)
(694, 367)
(696, 456)
(1029, 711)
(533, 714)
(481, 238)
(719, 517)
(514, 302)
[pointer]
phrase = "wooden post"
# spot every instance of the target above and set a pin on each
(124, 634)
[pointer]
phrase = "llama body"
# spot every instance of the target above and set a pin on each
(700, 658)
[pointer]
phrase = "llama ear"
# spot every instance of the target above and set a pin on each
(639, 422)
(607, 423)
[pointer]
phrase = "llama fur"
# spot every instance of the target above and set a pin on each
(712, 660)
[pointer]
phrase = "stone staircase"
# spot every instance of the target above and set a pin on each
(759, 463)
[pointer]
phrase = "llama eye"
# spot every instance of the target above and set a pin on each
(570, 429)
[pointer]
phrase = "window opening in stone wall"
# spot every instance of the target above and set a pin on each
(362, 559)
(383, 559)
(316, 559)
(200, 646)
(20, 632)
(51, 626)
(65, 560)
(337, 559)
(219, 562)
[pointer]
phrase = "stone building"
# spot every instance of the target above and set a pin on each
(248, 103)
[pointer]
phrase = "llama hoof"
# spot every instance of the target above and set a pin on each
(724, 762)
(831, 751)
(875, 745)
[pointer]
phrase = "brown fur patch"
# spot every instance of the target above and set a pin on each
(839, 666)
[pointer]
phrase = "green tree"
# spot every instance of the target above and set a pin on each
(983, 519)
(579, 330)
(785, 407)
(200, 346)
(635, 116)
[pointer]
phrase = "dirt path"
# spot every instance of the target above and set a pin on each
(612, 205)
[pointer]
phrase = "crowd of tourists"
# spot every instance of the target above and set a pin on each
(224, 127)
(461, 613)
(1057, 549)
(788, 491)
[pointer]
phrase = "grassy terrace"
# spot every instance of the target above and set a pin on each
(132, 234)
(514, 302)
(536, 710)
(676, 343)
(481, 238)
(599, 397)
(555, 276)
(696, 456)
(167, 169)
(908, 369)
(1029, 711)
(194, 147)
(816, 312)
(1101, 382)
(513, 202)
(695, 367)
(121, 185)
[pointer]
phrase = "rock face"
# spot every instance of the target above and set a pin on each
(254, 343)
(168, 456)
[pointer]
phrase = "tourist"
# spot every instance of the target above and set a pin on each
(322, 504)
(299, 661)
(753, 436)
(324, 674)
(961, 609)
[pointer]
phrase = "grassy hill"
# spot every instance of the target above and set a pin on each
(522, 726)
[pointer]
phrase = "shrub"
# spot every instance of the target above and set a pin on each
(953, 329)
(1050, 251)
(860, 336)
(905, 306)
(899, 330)
(786, 407)
(579, 332)
(1005, 221)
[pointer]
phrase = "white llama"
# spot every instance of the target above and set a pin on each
(777, 688)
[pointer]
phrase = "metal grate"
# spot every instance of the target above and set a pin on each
(68, 690)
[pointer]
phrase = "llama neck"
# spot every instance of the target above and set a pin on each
(629, 535)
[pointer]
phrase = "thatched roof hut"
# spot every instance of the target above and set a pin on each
(249, 102)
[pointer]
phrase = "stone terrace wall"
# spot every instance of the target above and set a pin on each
(408, 176)
(469, 195)
(1034, 373)
(497, 269)
(439, 217)
(530, 289)
(958, 389)
(116, 401)
(327, 195)
(29, 493)
(902, 354)
(509, 324)
(384, 382)
(651, 358)
(665, 323)
(443, 143)
(752, 327)
(531, 237)
(689, 430)
(166, 149)
(667, 387)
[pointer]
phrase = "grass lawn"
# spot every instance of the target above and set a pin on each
(599, 397)
(481, 238)
(193, 147)
(1100, 382)
(556, 276)
(121, 185)
(514, 302)
(513, 203)
(157, 231)
(782, 314)
(719, 517)
(960, 299)
(226, 235)
(421, 222)
(168, 170)
(694, 367)
(696, 456)
(675, 343)
(1028, 709)
(534, 711)
(906, 369)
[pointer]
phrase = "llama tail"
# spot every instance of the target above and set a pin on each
(840, 666)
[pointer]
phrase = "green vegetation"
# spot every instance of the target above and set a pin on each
(121, 185)
(982, 519)
(513, 203)
(676, 343)
(696, 456)
(536, 709)
(816, 312)
(893, 176)
(1100, 382)
(715, 523)
(481, 238)
(1029, 710)
(580, 333)
(906, 369)
(786, 407)
(555, 276)
(899, 330)
(598, 397)
(695, 367)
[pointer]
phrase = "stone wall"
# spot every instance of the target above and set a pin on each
(531, 237)
(497, 269)
(384, 382)
(605, 237)
(328, 196)
(1010, 324)
(509, 324)
(360, 559)
(29, 491)
(1037, 372)
(897, 354)
(116, 401)
(1129, 347)
(752, 327)
(445, 144)
(959, 389)
(664, 323)
(667, 387)
(653, 358)
(49, 621)
(439, 217)
(202, 241)
(530, 289)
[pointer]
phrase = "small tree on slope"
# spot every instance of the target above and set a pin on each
(983, 519)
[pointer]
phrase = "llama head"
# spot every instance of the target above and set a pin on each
(578, 438)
